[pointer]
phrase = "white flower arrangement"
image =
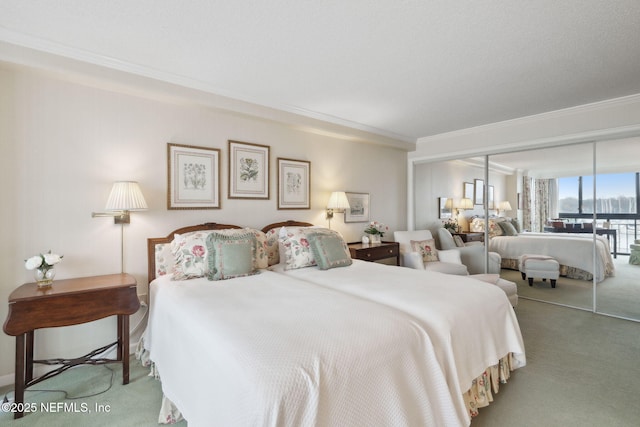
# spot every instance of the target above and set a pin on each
(42, 261)
(376, 227)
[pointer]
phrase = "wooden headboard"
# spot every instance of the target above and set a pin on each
(152, 242)
(286, 224)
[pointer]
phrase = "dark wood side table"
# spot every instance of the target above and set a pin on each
(68, 302)
(375, 251)
(470, 236)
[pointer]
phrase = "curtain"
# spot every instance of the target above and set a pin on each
(527, 220)
(540, 202)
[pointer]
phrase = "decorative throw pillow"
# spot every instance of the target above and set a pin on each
(458, 241)
(507, 228)
(231, 255)
(516, 225)
(295, 249)
(190, 254)
(273, 252)
(426, 248)
(494, 228)
(261, 258)
(329, 250)
(164, 259)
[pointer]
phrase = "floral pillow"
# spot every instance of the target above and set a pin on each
(164, 259)
(271, 247)
(190, 255)
(426, 248)
(190, 251)
(296, 251)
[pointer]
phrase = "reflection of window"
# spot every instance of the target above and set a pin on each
(617, 193)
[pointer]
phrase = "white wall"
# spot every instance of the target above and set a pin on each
(63, 143)
(445, 179)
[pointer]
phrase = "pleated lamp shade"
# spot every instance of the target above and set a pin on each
(338, 201)
(126, 196)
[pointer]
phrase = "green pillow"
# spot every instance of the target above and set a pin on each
(230, 256)
(329, 250)
(508, 228)
(515, 224)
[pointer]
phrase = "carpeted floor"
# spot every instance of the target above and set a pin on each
(618, 295)
(582, 370)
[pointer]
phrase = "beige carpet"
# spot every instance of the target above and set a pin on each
(618, 295)
(582, 370)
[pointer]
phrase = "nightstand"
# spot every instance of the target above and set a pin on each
(375, 251)
(470, 236)
(69, 302)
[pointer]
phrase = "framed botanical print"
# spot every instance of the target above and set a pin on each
(193, 177)
(248, 170)
(478, 192)
(467, 190)
(294, 184)
(358, 207)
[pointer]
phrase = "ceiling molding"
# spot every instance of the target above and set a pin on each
(246, 105)
(554, 141)
(527, 120)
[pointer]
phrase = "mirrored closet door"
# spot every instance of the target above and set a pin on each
(616, 207)
(539, 191)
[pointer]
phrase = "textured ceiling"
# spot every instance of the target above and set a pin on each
(401, 68)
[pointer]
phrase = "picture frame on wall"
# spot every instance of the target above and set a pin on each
(444, 208)
(193, 177)
(467, 190)
(358, 207)
(248, 170)
(490, 199)
(520, 201)
(478, 192)
(294, 184)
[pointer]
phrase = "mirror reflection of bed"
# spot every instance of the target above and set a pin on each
(617, 293)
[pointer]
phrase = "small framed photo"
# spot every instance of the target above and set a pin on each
(358, 207)
(193, 177)
(444, 208)
(478, 192)
(248, 171)
(520, 201)
(294, 184)
(467, 190)
(490, 201)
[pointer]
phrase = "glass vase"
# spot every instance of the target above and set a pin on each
(375, 239)
(44, 276)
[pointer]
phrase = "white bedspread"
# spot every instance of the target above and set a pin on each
(471, 323)
(270, 350)
(568, 249)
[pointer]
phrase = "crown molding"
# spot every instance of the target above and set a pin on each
(549, 115)
(240, 103)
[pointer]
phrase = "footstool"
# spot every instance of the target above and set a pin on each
(539, 267)
(509, 288)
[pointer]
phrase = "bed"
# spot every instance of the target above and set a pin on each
(471, 323)
(276, 349)
(573, 252)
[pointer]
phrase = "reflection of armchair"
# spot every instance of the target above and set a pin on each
(471, 255)
(449, 261)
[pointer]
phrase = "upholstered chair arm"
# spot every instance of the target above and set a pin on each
(413, 260)
(451, 255)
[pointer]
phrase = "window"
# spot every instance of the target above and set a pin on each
(617, 194)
